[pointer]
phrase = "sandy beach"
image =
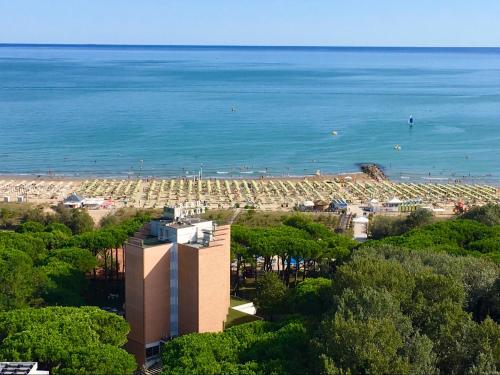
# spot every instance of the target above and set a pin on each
(219, 193)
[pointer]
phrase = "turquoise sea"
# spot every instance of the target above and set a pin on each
(169, 111)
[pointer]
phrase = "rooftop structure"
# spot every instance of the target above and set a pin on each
(20, 368)
(176, 280)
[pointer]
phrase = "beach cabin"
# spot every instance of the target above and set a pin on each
(410, 205)
(393, 205)
(306, 206)
(73, 201)
(320, 205)
(374, 205)
(93, 203)
(338, 205)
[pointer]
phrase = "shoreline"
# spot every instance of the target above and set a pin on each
(220, 177)
(400, 177)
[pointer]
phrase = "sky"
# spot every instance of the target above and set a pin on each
(253, 22)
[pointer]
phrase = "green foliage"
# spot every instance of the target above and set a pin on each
(412, 321)
(270, 294)
(249, 349)
(80, 259)
(64, 285)
(31, 227)
(370, 346)
(123, 215)
(460, 237)
(418, 218)
(384, 226)
(46, 264)
(66, 340)
(311, 296)
(487, 215)
(78, 220)
(28, 243)
(312, 246)
(387, 310)
(58, 227)
(13, 214)
(18, 280)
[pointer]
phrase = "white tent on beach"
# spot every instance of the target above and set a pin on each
(73, 201)
(361, 220)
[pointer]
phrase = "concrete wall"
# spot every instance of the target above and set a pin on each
(188, 289)
(157, 292)
(204, 284)
(214, 282)
(147, 304)
(134, 298)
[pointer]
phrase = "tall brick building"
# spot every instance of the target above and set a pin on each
(177, 281)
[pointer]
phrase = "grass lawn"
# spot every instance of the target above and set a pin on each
(235, 301)
(235, 317)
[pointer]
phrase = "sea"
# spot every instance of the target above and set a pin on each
(164, 111)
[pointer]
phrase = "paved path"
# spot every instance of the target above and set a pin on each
(359, 229)
(235, 215)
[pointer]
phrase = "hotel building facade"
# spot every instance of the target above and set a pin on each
(177, 281)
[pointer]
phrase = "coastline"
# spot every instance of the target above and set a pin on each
(413, 177)
(221, 177)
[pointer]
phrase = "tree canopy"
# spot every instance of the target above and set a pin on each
(45, 260)
(66, 340)
(385, 310)
(460, 237)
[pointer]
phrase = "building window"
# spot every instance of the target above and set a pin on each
(152, 351)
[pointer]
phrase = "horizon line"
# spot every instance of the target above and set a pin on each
(2, 44)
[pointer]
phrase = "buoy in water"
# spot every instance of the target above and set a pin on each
(334, 133)
(397, 147)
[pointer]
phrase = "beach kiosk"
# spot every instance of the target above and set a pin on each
(393, 205)
(73, 201)
(338, 205)
(306, 206)
(374, 205)
(320, 205)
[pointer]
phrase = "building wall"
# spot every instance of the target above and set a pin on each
(147, 304)
(134, 298)
(157, 292)
(214, 282)
(188, 289)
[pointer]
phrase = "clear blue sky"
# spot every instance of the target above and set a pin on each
(253, 22)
